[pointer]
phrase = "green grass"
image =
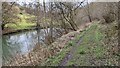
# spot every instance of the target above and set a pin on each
(91, 50)
(90, 47)
(55, 60)
(23, 23)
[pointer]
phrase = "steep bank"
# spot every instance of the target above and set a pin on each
(98, 46)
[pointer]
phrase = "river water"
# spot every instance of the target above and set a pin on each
(23, 43)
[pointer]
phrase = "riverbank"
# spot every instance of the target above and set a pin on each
(8, 31)
(42, 53)
(86, 46)
(68, 45)
(96, 46)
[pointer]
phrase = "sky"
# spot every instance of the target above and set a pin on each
(27, 1)
(59, 0)
(41, 1)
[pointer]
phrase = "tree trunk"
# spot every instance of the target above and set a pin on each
(89, 18)
(51, 25)
(89, 12)
(3, 26)
(74, 26)
(38, 21)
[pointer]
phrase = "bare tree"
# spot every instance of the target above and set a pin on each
(67, 11)
(88, 12)
(38, 20)
(51, 23)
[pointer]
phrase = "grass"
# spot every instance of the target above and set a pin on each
(91, 51)
(23, 23)
(55, 60)
(90, 47)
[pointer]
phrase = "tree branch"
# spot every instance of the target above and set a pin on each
(79, 5)
(9, 8)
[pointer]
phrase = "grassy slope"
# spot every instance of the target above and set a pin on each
(55, 60)
(90, 47)
(23, 24)
(93, 49)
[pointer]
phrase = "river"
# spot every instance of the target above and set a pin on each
(22, 43)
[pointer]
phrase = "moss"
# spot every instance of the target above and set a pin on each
(22, 23)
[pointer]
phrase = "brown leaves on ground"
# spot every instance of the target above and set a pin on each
(40, 53)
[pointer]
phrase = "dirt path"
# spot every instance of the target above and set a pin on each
(71, 52)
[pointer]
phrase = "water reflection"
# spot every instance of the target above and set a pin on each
(19, 43)
(22, 43)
